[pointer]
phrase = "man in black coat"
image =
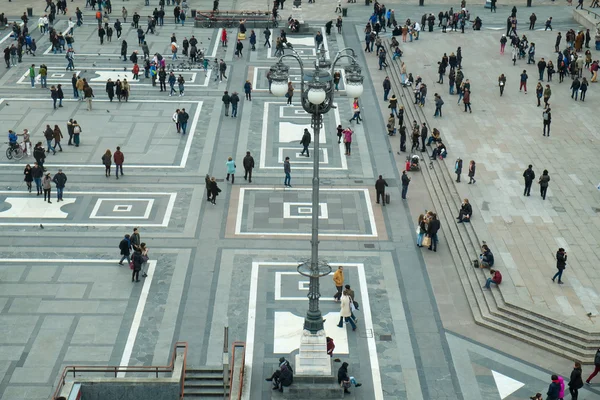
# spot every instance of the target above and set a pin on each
(405, 182)
(529, 176)
(432, 229)
(575, 382)
(125, 247)
(248, 166)
(380, 185)
(423, 135)
(305, 142)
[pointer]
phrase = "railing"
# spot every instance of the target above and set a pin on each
(596, 15)
(125, 369)
(235, 345)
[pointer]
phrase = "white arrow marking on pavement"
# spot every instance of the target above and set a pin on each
(506, 385)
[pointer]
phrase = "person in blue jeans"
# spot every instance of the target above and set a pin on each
(432, 229)
(183, 118)
(346, 311)
(125, 247)
(60, 179)
(496, 278)
(561, 264)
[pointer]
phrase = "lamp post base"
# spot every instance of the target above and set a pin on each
(313, 359)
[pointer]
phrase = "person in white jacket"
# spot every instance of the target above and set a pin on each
(346, 311)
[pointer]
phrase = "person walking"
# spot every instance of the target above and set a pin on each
(467, 99)
(575, 381)
(49, 135)
(472, 172)
(458, 169)
(107, 161)
(575, 88)
(235, 100)
(380, 186)
(438, 105)
(523, 81)
(60, 180)
(119, 159)
(561, 264)
(338, 280)
(57, 137)
(501, 83)
(305, 142)
(529, 176)
(346, 311)
(287, 169)
(207, 186)
(182, 118)
(47, 186)
(226, 99)
(248, 163)
(547, 118)
(125, 247)
(547, 94)
(230, 164)
(539, 92)
(290, 93)
(76, 133)
(596, 367)
(543, 181)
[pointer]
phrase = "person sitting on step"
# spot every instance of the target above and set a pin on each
(465, 212)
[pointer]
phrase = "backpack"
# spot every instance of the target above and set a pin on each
(173, 48)
(546, 116)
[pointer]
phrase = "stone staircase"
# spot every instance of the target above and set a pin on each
(499, 309)
(205, 383)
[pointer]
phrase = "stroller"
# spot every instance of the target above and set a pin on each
(412, 163)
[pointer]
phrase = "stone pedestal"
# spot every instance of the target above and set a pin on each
(313, 359)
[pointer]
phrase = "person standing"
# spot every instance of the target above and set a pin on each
(380, 186)
(338, 280)
(47, 186)
(135, 239)
(305, 142)
(119, 158)
(575, 381)
(248, 166)
(554, 389)
(458, 169)
(39, 153)
(287, 169)
(290, 93)
(532, 19)
(596, 367)
(348, 140)
(472, 172)
(214, 190)
(543, 181)
(405, 183)
(60, 179)
(547, 94)
(137, 260)
(248, 90)
(387, 86)
(207, 185)
(230, 164)
(88, 93)
(32, 75)
(529, 176)
(432, 229)
(28, 176)
(37, 173)
(467, 100)
(110, 89)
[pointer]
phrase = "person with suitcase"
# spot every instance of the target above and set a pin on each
(380, 185)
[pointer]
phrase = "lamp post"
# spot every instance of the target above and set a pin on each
(316, 99)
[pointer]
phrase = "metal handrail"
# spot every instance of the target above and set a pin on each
(596, 15)
(233, 347)
(120, 368)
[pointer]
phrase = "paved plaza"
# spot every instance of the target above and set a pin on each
(64, 299)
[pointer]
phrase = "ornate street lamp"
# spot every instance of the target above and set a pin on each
(317, 89)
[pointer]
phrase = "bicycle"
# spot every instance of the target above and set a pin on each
(17, 152)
